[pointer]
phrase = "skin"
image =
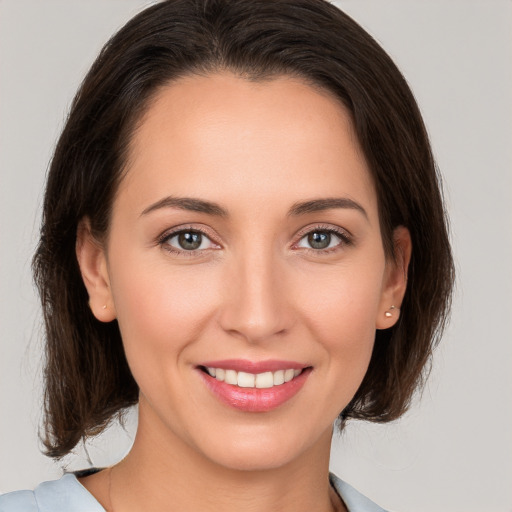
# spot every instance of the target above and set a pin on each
(255, 290)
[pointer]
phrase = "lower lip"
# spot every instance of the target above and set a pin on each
(255, 399)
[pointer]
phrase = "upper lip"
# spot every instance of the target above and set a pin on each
(244, 365)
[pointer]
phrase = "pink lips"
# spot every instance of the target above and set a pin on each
(242, 365)
(254, 399)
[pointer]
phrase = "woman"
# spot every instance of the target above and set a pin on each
(243, 233)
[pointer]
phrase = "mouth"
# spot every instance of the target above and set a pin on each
(254, 387)
(264, 380)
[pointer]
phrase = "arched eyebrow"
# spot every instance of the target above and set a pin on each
(211, 208)
(187, 203)
(318, 205)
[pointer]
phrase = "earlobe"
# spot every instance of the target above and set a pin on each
(395, 281)
(93, 267)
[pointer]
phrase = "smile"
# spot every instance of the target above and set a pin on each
(254, 386)
(263, 380)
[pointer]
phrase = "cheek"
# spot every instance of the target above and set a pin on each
(339, 308)
(160, 309)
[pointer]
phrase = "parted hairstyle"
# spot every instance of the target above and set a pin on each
(87, 378)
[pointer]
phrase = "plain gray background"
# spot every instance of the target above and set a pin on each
(453, 451)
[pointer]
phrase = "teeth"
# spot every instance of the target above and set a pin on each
(278, 377)
(288, 375)
(264, 380)
(251, 380)
(245, 380)
(231, 377)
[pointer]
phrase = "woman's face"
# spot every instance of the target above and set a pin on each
(244, 240)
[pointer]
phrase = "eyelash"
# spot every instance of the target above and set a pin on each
(163, 241)
(346, 239)
(344, 236)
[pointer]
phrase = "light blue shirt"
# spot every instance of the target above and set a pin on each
(68, 495)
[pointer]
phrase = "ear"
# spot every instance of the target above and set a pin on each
(395, 279)
(92, 261)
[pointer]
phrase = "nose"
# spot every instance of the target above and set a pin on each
(256, 303)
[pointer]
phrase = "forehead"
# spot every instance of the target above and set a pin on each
(203, 133)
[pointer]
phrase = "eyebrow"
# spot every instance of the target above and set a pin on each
(189, 204)
(211, 208)
(318, 205)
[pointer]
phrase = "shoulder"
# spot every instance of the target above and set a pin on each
(353, 499)
(63, 495)
(18, 501)
(68, 495)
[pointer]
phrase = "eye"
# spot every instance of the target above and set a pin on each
(322, 239)
(188, 240)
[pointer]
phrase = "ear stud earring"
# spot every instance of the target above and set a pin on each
(104, 306)
(389, 314)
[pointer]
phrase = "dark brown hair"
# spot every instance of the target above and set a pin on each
(87, 377)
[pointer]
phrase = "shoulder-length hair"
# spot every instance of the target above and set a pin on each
(87, 378)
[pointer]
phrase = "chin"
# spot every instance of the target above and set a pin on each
(260, 451)
(257, 459)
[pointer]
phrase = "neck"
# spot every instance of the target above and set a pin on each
(161, 470)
